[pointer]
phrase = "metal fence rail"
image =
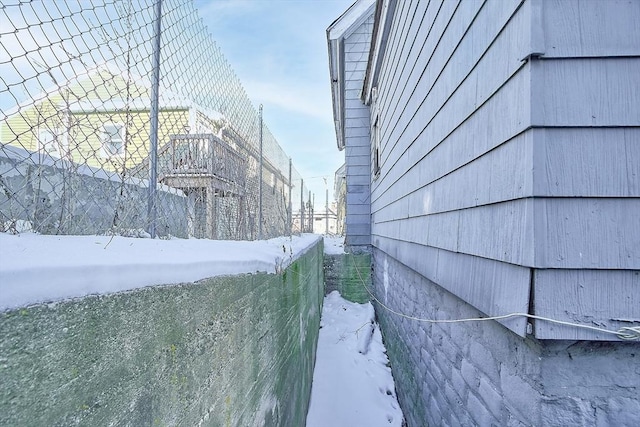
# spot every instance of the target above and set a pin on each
(78, 125)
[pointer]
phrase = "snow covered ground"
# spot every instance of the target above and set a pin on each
(352, 383)
(333, 245)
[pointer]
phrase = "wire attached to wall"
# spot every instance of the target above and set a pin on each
(624, 333)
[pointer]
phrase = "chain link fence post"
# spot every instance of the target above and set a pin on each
(290, 207)
(154, 111)
(261, 173)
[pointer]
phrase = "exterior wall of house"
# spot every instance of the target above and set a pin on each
(586, 98)
(86, 135)
(356, 135)
(82, 132)
(77, 113)
(21, 129)
(496, 160)
(509, 171)
(478, 373)
(340, 197)
(320, 221)
(451, 201)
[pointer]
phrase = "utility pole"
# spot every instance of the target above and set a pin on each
(326, 229)
(290, 212)
(302, 206)
(311, 212)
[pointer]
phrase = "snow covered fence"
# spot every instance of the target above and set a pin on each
(228, 350)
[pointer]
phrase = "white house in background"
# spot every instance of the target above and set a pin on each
(348, 39)
(497, 146)
(325, 220)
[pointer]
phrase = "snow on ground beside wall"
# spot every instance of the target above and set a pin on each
(352, 383)
(333, 245)
(41, 268)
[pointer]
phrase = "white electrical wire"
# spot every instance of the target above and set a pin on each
(624, 333)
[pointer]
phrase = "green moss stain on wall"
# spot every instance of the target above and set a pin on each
(223, 351)
(348, 273)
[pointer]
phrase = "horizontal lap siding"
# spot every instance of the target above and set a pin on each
(607, 299)
(356, 131)
(575, 28)
(457, 151)
(590, 233)
(500, 231)
(586, 86)
(454, 123)
(612, 156)
(587, 160)
(494, 287)
(591, 92)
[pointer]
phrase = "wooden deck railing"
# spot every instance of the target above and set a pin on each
(203, 155)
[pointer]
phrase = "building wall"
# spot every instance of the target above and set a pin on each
(478, 373)
(320, 222)
(453, 107)
(496, 160)
(586, 117)
(236, 350)
(509, 184)
(340, 196)
(356, 133)
(63, 198)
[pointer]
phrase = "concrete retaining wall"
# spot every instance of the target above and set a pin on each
(481, 373)
(224, 351)
(348, 274)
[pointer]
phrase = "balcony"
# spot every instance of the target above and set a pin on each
(202, 161)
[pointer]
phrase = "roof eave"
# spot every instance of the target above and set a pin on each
(385, 10)
(336, 68)
(336, 33)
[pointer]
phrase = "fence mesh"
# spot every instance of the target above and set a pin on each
(75, 110)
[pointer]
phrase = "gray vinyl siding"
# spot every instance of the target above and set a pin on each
(586, 88)
(450, 71)
(356, 136)
(509, 136)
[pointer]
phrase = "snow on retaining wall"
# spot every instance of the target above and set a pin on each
(36, 268)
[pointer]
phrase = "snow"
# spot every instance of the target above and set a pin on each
(42, 268)
(333, 245)
(352, 382)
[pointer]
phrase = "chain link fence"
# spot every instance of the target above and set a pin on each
(79, 154)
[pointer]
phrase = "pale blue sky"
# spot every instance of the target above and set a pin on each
(278, 49)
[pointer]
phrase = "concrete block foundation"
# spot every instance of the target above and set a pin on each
(480, 373)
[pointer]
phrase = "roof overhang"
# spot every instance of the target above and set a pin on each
(381, 28)
(340, 29)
